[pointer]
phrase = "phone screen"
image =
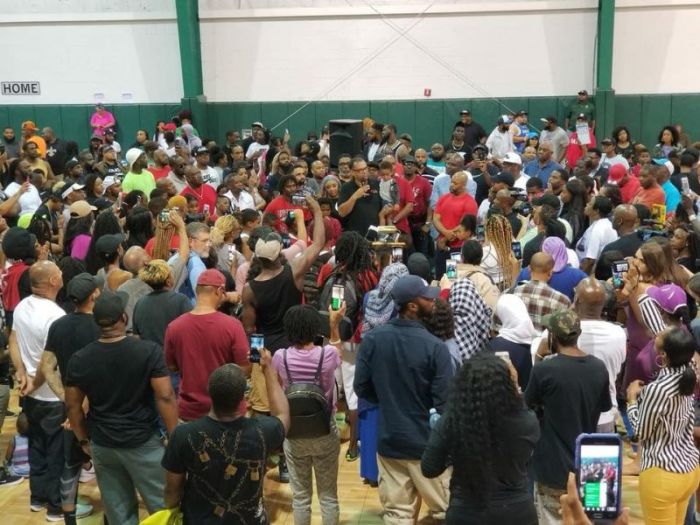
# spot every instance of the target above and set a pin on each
(617, 268)
(257, 341)
(599, 473)
(451, 270)
(337, 297)
(517, 249)
(480, 233)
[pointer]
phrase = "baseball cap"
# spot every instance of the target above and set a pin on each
(107, 245)
(95, 138)
(82, 285)
(170, 126)
(667, 163)
(521, 113)
(607, 140)
(81, 209)
(504, 177)
(670, 297)
(480, 147)
(109, 131)
(211, 277)
(109, 180)
(268, 247)
(406, 136)
(106, 148)
(512, 158)
(70, 189)
(409, 287)
(465, 112)
(109, 307)
(257, 125)
(563, 323)
(550, 118)
(409, 158)
(72, 163)
(616, 173)
(504, 119)
(583, 92)
(29, 124)
(132, 156)
(201, 150)
(548, 199)
(581, 116)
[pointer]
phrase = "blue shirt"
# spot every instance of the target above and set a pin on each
(533, 169)
(195, 266)
(673, 196)
(564, 281)
(405, 370)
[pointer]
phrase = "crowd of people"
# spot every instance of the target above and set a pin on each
(185, 318)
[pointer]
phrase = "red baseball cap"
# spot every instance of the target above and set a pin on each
(616, 173)
(211, 278)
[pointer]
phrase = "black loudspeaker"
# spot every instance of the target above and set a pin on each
(346, 138)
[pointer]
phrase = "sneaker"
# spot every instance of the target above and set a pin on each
(37, 506)
(284, 473)
(54, 515)
(82, 510)
(87, 475)
(7, 480)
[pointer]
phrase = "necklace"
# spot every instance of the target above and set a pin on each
(201, 191)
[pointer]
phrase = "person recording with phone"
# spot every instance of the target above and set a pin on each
(661, 414)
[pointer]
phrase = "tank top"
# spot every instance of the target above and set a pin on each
(273, 298)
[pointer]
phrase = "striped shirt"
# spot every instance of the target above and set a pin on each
(651, 314)
(663, 420)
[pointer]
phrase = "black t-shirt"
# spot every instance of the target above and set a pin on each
(531, 248)
(69, 334)
(473, 133)
(482, 189)
(116, 377)
(56, 156)
(627, 245)
(366, 210)
(570, 392)
(153, 313)
(225, 467)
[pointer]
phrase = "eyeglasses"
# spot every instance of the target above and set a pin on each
(360, 169)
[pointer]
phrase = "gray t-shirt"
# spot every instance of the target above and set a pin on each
(559, 140)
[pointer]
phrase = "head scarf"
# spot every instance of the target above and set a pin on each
(555, 247)
(380, 306)
(472, 318)
(516, 325)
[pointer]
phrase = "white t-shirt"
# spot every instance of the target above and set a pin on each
(608, 162)
(491, 266)
(32, 318)
(500, 143)
(29, 202)
(607, 342)
(520, 182)
(210, 176)
(245, 200)
(594, 239)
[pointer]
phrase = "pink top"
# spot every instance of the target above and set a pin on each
(79, 246)
(100, 122)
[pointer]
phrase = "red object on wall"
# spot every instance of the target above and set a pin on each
(427, 92)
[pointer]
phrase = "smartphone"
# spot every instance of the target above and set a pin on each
(517, 249)
(205, 209)
(480, 236)
(456, 256)
(617, 268)
(164, 216)
(599, 474)
(451, 271)
(337, 296)
(257, 341)
(685, 184)
(396, 255)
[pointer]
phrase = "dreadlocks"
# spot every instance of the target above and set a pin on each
(353, 257)
(499, 234)
(164, 235)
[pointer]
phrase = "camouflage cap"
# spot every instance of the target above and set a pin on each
(563, 323)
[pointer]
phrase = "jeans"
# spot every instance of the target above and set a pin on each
(74, 457)
(45, 451)
(320, 455)
(422, 242)
(123, 471)
(522, 513)
(547, 504)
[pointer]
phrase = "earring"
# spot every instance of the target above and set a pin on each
(662, 358)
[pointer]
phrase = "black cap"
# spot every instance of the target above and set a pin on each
(504, 177)
(82, 285)
(107, 245)
(72, 163)
(465, 112)
(409, 158)
(583, 92)
(201, 150)
(521, 113)
(550, 118)
(109, 131)
(481, 147)
(548, 199)
(109, 307)
(607, 140)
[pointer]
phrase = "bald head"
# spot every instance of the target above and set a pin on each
(45, 279)
(135, 258)
(625, 218)
(541, 266)
(590, 298)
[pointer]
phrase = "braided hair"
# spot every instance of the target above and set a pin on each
(499, 234)
(484, 389)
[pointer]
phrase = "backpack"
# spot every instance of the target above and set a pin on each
(349, 323)
(309, 409)
(312, 290)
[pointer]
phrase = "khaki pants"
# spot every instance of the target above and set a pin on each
(547, 504)
(257, 397)
(402, 486)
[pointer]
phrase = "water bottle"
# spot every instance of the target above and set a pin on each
(434, 417)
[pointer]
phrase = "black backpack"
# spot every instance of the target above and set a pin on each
(312, 290)
(308, 407)
(349, 322)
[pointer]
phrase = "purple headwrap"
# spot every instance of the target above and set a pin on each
(555, 247)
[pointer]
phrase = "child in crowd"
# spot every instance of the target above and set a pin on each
(17, 455)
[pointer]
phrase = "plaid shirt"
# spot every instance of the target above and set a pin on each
(540, 300)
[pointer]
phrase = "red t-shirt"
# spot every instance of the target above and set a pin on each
(206, 195)
(281, 207)
(174, 244)
(405, 196)
(574, 150)
(629, 190)
(452, 208)
(421, 195)
(197, 345)
(159, 173)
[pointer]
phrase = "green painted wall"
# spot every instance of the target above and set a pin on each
(427, 121)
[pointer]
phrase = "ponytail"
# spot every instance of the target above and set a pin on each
(679, 346)
(686, 385)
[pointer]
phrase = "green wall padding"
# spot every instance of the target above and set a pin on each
(426, 120)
